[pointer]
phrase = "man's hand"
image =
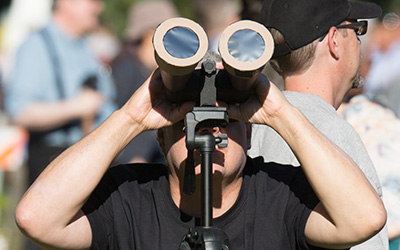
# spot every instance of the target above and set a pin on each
(87, 102)
(149, 107)
(262, 107)
(51, 216)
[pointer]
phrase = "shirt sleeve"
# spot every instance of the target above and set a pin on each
(301, 200)
(296, 216)
(25, 85)
(99, 211)
(106, 208)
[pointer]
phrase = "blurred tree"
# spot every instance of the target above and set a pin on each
(116, 11)
(4, 4)
(115, 14)
(395, 5)
(185, 8)
(388, 5)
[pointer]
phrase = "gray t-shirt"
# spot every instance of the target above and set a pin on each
(267, 143)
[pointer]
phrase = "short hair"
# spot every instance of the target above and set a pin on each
(211, 14)
(295, 62)
(53, 5)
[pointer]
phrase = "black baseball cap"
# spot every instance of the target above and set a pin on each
(303, 21)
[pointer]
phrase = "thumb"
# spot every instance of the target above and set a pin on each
(234, 111)
(180, 111)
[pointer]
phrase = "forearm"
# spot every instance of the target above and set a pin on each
(342, 188)
(61, 190)
(50, 211)
(44, 116)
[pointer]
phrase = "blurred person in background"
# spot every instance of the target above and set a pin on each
(382, 63)
(214, 16)
(134, 65)
(105, 46)
(379, 129)
(371, 111)
(251, 11)
(19, 20)
(55, 90)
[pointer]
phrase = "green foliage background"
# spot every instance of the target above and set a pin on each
(388, 5)
(116, 11)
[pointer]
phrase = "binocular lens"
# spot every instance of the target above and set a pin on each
(181, 42)
(179, 45)
(246, 45)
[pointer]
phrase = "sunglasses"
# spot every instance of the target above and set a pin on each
(360, 28)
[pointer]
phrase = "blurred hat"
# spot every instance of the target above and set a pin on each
(147, 15)
(303, 21)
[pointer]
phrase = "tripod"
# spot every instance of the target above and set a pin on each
(206, 116)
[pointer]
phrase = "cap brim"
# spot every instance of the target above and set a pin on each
(360, 10)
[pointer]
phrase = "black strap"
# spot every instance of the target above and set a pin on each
(281, 50)
(38, 136)
(55, 61)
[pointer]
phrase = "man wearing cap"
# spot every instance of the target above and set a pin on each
(318, 54)
(78, 202)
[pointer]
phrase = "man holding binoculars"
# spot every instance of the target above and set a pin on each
(78, 202)
(50, 212)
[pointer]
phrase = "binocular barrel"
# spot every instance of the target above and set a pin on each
(180, 44)
(245, 47)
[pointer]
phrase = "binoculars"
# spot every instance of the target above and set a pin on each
(180, 45)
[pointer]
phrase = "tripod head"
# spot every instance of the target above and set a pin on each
(206, 116)
(202, 238)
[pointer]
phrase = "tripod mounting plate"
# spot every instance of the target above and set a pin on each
(209, 238)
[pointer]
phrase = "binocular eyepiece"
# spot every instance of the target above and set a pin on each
(180, 44)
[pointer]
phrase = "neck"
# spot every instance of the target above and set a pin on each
(68, 26)
(224, 194)
(320, 81)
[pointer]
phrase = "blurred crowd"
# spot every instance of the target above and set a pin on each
(374, 111)
(62, 72)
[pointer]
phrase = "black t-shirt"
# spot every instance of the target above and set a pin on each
(133, 209)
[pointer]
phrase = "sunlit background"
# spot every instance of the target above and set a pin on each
(17, 19)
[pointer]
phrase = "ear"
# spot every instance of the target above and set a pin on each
(333, 42)
(248, 134)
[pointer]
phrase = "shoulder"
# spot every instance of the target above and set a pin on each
(139, 173)
(124, 181)
(312, 106)
(32, 45)
(132, 179)
(326, 119)
(286, 178)
(285, 175)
